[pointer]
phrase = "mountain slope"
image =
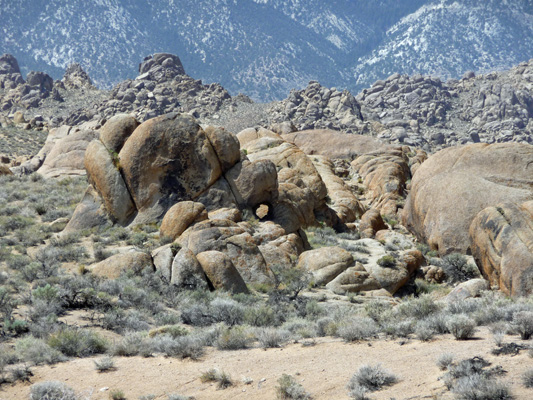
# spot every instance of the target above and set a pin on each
(264, 48)
(447, 38)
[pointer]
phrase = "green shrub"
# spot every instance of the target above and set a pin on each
(387, 261)
(271, 337)
(235, 338)
(52, 390)
(289, 389)
(371, 378)
(357, 328)
(182, 346)
(461, 326)
(105, 364)
(457, 268)
(78, 342)
(37, 351)
(260, 315)
(523, 324)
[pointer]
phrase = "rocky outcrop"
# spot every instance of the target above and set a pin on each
(334, 144)
(221, 272)
(166, 160)
(117, 264)
(384, 174)
(325, 263)
(454, 185)
(502, 245)
(371, 222)
(317, 107)
(66, 156)
(76, 78)
(10, 75)
(179, 217)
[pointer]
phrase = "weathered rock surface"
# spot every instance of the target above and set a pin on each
(113, 266)
(384, 173)
(179, 217)
(341, 199)
(454, 185)
(334, 144)
(187, 271)
(117, 130)
(67, 155)
(233, 240)
(371, 222)
(325, 263)
(105, 177)
(502, 245)
(353, 280)
(76, 78)
(166, 160)
(221, 272)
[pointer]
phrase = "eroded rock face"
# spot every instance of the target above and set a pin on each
(76, 78)
(113, 266)
(167, 159)
(117, 130)
(502, 245)
(221, 272)
(325, 263)
(179, 217)
(66, 157)
(105, 177)
(455, 184)
(384, 173)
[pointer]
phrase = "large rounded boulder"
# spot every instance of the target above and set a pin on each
(454, 185)
(166, 160)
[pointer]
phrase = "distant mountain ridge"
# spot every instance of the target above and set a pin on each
(265, 48)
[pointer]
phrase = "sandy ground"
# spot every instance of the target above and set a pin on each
(323, 369)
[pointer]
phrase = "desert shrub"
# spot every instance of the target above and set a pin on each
(100, 253)
(132, 344)
(78, 342)
(289, 389)
(387, 261)
(444, 361)
(475, 387)
(120, 321)
(457, 268)
(52, 390)
(175, 396)
(105, 364)
(172, 330)
(213, 375)
(182, 346)
(371, 378)
(117, 394)
(325, 326)
(196, 314)
(292, 280)
(21, 373)
(37, 351)
(523, 324)
(465, 306)
(299, 328)
(375, 309)
(260, 315)
(461, 326)
(7, 303)
(360, 247)
(424, 331)
(527, 378)
(357, 328)
(227, 310)
(313, 310)
(438, 322)
(234, 338)
(397, 327)
(271, 337)
(324, 236)
(418, 307)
